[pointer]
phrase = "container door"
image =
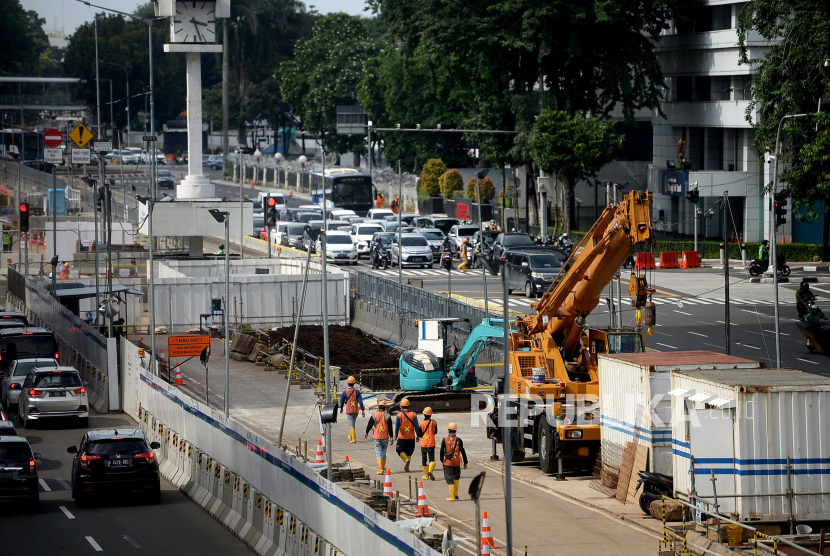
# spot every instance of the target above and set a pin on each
(712, 445)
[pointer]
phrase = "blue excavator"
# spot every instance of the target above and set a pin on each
(438, 374)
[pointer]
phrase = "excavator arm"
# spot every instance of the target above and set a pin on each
(468, 355)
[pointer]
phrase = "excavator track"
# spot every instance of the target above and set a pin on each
(442, 402)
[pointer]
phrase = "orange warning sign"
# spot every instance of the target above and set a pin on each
(187, 346)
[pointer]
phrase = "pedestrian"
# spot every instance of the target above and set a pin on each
(394, 204)
(352, 401)
(452, 454)
(380, 424)
(427, 429)
(463, 255)
(379, 201)
(405, 429)
(7, 242)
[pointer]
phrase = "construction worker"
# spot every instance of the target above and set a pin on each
(452, 453)
(463, 255)
(395, 204)
(405, 431)
(427, 429)
(352, 402)
(380, 424)
(379, 201)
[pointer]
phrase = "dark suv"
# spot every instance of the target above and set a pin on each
(26, 343)
(18, 472)
(115, 461)
(532, 270)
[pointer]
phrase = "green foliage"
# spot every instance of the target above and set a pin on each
(26, 50)
(572, 147)
(508, 203)
(430, 177)
(450, 182)
(485, 186)
(325, 73)
(790, 79)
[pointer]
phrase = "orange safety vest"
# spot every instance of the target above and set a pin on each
(407, 431)
(428, 430)
(351, 402)
(381, 430)
(452, 457)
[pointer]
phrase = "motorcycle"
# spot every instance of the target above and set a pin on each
(381, 257)
(655, 486)
(759, 266)
(446, 260)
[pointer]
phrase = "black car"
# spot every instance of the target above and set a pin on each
(505, 241)
(165, 179)
(18, 473)
(306, 217)
(532, 270)
(7, 429)
(293, 236)
(15, 316)
(115, 461)
(26, 343)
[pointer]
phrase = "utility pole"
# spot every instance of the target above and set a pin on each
(225, 79)
(97, 83)
(726, 264)
(324, 299)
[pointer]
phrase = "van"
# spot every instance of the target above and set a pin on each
(379, 214)
(278, 196)
(26, 342)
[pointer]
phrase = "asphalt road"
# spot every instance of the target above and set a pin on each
(176, 526)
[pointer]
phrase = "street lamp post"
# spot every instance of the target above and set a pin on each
(302, 160)
(277, 159)
(127, 76)
(225, 217)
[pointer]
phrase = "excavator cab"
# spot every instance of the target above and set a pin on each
(424, 369)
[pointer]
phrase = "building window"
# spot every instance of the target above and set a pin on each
(721, 17)
(701, 91)
(719, 89)
(742, 87)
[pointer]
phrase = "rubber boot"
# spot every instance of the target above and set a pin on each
(431, 469)
(455, 492)
(383, 471)
(380, 467)
(352, 436)
(406, 459)
(426, 471)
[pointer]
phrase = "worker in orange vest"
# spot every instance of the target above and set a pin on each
(395, 204)
(405, 431)
(352, 401)
(427, 429)
(379, 201)
(452, 453)
(380, 424)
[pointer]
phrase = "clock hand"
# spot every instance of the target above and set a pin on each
(196, 26)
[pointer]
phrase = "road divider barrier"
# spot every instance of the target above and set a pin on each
(668, 259)
(644, 261)
(690, 259)
(270, 499)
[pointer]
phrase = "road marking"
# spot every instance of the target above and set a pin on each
(62, 483)
(697, 334)
(746, 345)
(663, 334)
(66, 512)
(682, 313)
(94, 544)
(773, 332)
(45, 486)
(665, 345)
(724, 322)
(713, 345)
(131, 540)
(807, 360)
(818, 290)
(706, 323)
(757, 313)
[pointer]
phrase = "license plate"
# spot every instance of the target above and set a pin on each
(119, 463)
(6, 474)
(57, 394)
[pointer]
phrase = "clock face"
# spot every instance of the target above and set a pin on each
(194, 22)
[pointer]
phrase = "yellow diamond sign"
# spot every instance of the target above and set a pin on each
(81, 135)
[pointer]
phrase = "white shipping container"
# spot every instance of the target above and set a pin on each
(743, 427)
(634, 401)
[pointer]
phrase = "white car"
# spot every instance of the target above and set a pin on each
(16, 374)
(339, 248)
(52, 392)
(276, 232)
(459, 232)
(340, 214)
(280, 199)
(309, 208)
(362, 236)
(415, 250)
(379, 214)
(121, 157)
(160, 157)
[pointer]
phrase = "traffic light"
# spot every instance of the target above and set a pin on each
(99, 203)
(24, 217)
(693, 195)
(780, 211)
(270, 211)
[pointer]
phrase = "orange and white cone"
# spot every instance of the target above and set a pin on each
(486, 534)
(423, 507)
(485, 550)
(179, 379)
(387, 485)
(321, 457)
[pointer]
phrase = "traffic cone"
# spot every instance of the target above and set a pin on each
(485, 550)
(387, 485)
(486, 534)
(423, 507)
(321, 457)
(179, 379)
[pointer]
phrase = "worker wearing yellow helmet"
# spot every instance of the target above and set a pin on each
(452, 454)
(352, 402)
(406, 427)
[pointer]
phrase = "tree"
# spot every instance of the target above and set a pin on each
(430, 177)
(451, 181)
(485, 186)
(790, 79)
(572, 147)
(26, 50)
(325, 73)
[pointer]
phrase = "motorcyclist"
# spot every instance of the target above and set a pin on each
(221, 249)
(376, 252)
(447, 245)
(564, 241)
(763, 253)
(803, 299)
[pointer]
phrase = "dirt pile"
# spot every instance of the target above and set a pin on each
(349, 348)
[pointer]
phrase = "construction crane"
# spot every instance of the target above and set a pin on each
(553, 378)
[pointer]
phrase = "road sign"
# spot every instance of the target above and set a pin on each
(52, 138)
(81, 135)
(187, 346)
(149, 138)
(80, 156)
(102, 146)
(53, 156)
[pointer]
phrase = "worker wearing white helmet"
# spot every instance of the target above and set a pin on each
(452, 454)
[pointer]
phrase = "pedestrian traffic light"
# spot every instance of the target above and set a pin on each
(270, 211)
(24, 217)
(693, 195)
(780, 212)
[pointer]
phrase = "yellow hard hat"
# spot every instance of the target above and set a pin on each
(453, 427)
(405, 402)
(350, 380)
(382, 404)
(427, 411)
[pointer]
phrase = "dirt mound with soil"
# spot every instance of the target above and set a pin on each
(349, 348)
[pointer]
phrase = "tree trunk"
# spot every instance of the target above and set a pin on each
(567, 202)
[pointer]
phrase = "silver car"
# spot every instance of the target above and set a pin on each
(435, 237)
(15, 375)
(53, 392)
(415, 250)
